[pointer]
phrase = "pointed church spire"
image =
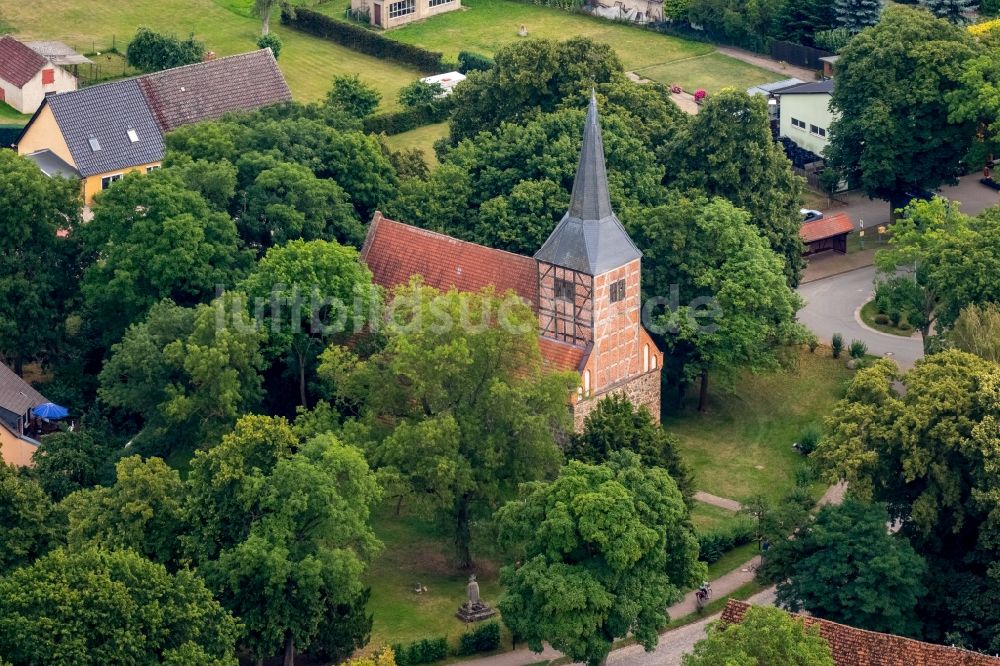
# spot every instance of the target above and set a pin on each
(590, 199)
(589, 239)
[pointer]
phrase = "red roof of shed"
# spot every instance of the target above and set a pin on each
(858, 647)
(828, 227)
(18, 63)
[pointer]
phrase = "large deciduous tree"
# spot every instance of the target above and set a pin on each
(893, 133)
(602, 551)
(188, 373)
(727, 151)
(844, 566)
(36, 264)
(458, 406)
(765, 636)
(308, 294)
(68, 461)
(733, 307)
(930, 454)
(977, 331)
(95, 607)
(30, 524)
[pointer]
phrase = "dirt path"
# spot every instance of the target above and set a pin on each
(715, 500)
(685, 101)
(764, 62)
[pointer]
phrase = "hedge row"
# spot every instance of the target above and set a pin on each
(469, 61)
(483, 638)
(359, 38)
(713, 544)
(398, 122)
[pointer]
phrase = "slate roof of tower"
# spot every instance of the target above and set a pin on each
(590, 238)
(18, 63)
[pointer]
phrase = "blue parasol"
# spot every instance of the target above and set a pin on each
(51, 411)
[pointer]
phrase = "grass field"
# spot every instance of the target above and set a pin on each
(742, 445)
(713, 72)
(307, 62)
(422, 138)
(10, 116)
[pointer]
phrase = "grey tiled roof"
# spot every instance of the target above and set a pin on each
(810, 88)
(207, 90)
(16, 395)
(106, 112)
(590, 238)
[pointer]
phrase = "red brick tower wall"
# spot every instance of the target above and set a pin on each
(617, 354)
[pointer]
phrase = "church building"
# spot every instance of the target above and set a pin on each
(584, 284)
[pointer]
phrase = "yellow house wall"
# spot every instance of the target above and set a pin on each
(44, 134)
(14, 450)
(92, 184)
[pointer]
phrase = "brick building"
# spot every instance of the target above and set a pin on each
(584, 284)
(859, 647)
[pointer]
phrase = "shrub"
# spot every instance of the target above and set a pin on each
(713, 544)
(832, 40)
(404, 121)
(813, 342)
(904, 327)
(421, 652)
(469, 61)
(484, 638)
(352, 95)
(837, 344)
(883, 320)
(270, 41)
(858, 349)
(810, 438)
(150, 51)
(894, 316)
(804, 476)
(360, 39)
(419, 94)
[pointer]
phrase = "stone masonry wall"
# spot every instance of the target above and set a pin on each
(643, 390)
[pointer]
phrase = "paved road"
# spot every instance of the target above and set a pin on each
(830, 308)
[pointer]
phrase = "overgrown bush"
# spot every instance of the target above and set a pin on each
(398, 122)
(883, 320)
(832, 40)
(423, 651)
(419, 94)
(813, 342)
(858, 349)
(469, 61)
(353, 95)
(810, 438)
(713, 544)
(483, 638)
(894, 317)
(270, 41)
(837, 344)
(360, 39)
(150, 51)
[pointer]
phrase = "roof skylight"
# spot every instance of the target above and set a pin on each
(95, 145)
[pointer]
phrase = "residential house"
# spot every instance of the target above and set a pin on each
(858, 647)
(805, 114)
(583, 283)
(26, 77)
(394, 13)
(17, 398)
(100, 133)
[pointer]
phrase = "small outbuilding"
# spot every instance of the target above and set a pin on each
(827, 233)
(26, 76)
(447, 81)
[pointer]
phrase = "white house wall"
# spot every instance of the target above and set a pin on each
(28, 98)
(813, 110)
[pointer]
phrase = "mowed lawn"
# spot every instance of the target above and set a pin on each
(308, 63)
(485, 25)
(10, 116)
(742, 445)
(712, 71)
(422, 139)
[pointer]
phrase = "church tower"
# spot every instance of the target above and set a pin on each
(589, 284)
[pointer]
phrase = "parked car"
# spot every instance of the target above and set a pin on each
(810, 215)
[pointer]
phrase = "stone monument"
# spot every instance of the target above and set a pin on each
(473, 610)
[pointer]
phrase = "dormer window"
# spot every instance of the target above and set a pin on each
(95, 145)
(132, 135)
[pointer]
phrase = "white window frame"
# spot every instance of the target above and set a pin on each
(815, 130)
(438, 3)
(799, 124)
(402, 8)
(113, 178)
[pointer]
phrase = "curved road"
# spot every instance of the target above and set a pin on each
(831, 307)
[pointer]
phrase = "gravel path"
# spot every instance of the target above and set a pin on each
(765, 62)
(715, 500)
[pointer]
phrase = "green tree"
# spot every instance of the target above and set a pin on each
(152, 51)
(529, 76)
(955, 11)
(328, 292)
(419, 94)
(111, 608)
(457, 404)
(977, 101)
(765, 636)
(846, 567)
(734, 310)
(928, 453)
(800, 20)
(727, 151)
(289, 202)
(615, 425)
(140, 512)
(151, 238)
(30, 523)
(68, 461)
(602, 551)
(36, 265)
(955, 258)
(977, 331)
(269, 41)
(187, 372)
(305, 548)
(893, 133)
(856, 15)
(351, 94)
(262, 8)
(521, 221)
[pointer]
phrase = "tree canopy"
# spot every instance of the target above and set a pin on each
(765, 636)
(30, 523)
(602, 551)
